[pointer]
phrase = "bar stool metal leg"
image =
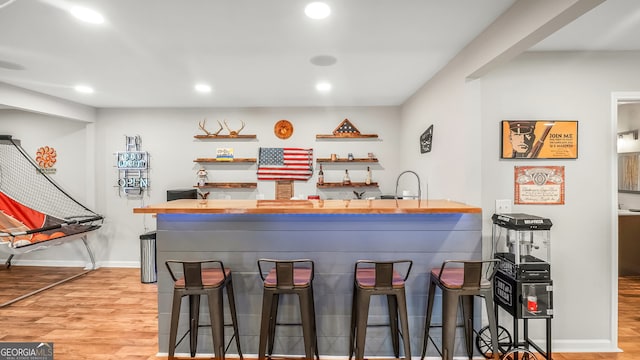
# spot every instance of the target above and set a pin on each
(449, 319)
(308, 332)
(361, 322)
(392, 304)
(404, 323)
(315, 325)
(265, 323)
(354, 319)
(427, 327)
(194, 322)
(175, 316)
(234, 316)
(216, 317)
(493, 322)
(467, 314)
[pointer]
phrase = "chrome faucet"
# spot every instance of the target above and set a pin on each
(398, 182)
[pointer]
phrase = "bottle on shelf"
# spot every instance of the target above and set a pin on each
(368, 179)
(346, 180)
(320, 176)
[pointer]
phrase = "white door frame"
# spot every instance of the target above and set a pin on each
(616, 98)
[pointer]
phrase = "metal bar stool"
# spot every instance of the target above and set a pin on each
(459, 284)
(380, 278)
(207, 277)
(287, 277)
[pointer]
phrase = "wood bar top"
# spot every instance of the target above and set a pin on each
(385, 206)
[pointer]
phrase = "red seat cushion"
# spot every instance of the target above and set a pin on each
(301, 277)
(366, 278)
(210, 277)
(452, 277)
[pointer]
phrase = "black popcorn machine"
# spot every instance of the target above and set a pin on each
(522, 284)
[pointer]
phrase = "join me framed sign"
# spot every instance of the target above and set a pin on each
(539, 139)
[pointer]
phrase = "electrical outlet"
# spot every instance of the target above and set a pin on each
(503, 206)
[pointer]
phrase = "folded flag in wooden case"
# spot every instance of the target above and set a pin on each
(285, 164)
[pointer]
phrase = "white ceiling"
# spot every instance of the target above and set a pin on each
(150, 53)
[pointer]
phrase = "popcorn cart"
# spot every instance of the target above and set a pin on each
(522, 284)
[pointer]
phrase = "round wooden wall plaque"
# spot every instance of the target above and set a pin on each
(283, 129)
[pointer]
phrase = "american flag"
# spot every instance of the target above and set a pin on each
(285, 164)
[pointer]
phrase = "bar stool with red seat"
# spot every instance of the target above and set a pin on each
(380, 278)
(287, 277)
(207, 277)
(460, 281)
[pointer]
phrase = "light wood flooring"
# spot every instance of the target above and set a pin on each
(109, 314)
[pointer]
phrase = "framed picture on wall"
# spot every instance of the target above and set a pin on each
(539, 139)
(542, 185)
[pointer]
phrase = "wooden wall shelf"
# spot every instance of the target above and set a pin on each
(229, 185)
(346, 137)
(329, 185)
(364, 160)
(225, 137)
(235, 160)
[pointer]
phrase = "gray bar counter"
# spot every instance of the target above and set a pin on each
(333, 233)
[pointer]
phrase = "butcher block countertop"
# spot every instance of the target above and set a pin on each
(384, 206)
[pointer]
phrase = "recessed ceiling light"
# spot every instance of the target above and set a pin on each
(203, 88)
(317, 10)
(84, 89)
(323, 87)
(87, 15)
(323, 60)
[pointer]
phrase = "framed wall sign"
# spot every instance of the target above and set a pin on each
(539, 139)
(542, 185)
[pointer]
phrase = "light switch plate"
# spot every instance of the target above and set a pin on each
(503, 206)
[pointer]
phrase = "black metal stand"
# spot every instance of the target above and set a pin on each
(526, 342)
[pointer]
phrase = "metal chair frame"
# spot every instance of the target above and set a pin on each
(471, 284)
(284, 273)
(194, 287)
(385, 273)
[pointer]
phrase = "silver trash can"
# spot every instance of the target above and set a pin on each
(148, 270)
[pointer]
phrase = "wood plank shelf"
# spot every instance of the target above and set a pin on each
(329, 185)
(341, 160)
(347, 137)
(228, 185)
(225, 137)
(234, 160)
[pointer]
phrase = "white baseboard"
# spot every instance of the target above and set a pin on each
(578, 345)
(76, 263)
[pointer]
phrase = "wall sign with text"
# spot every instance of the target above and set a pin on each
(542, 185)
(539, 139)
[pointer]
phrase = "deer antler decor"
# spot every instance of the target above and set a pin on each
(234, 133)
(202, 125)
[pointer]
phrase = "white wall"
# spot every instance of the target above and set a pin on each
(566, 86)
(19, 98)
(465, 161)
(70, 140)
(168, 135)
